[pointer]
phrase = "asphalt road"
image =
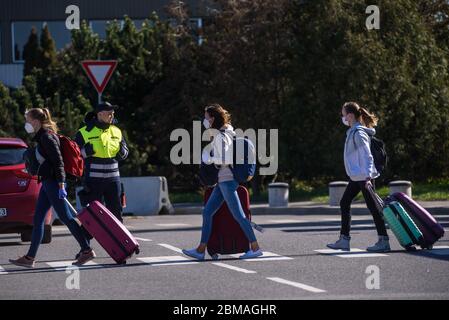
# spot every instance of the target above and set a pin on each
(292, 268)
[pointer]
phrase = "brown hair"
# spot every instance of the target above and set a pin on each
(361, 114)
(221, 115)
(44, 116)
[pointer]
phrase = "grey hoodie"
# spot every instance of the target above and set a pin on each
(359, 162)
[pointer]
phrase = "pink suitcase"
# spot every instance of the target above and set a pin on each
(430, 228)
(110, 233)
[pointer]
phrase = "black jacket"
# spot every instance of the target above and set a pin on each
(48, 146)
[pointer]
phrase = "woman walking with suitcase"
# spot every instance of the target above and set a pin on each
(360, 167)
(52, 193)
(216, 117)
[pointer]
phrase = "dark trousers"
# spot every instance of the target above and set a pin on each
(352, 190)
(107, 192)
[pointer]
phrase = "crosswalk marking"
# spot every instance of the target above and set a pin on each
(440, 250)
(267, 256)
(62, 265)
(170, 247)
(143, 239)
(3, 271)
(285, 221)
(353, 253)
(224, 265)
(172, 224)
(297, 285)
(167, 260)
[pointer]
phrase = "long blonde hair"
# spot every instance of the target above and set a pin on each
(367, 118)
(44, 116)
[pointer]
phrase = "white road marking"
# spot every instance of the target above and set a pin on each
(170, 247)
(143, 239)
(353, 253)
(3, 271)
(285, 221)
(62, 265)
(224, 265)
(166, 260)
(267, 256)
(440, 250)
(297, 285)
(172, 224)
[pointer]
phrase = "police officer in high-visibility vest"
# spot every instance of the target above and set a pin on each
(102, 146)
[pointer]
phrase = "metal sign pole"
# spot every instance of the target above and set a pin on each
(99, 98)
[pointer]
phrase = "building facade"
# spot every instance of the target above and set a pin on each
(18, 17)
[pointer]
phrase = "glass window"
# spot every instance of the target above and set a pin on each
(59, 33)
(20, 33)
(11, 156)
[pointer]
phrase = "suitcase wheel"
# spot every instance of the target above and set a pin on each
(121, 262)
(430, 247)
(410, 248)
(137, 251)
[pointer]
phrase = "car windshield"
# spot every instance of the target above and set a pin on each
(11, 156)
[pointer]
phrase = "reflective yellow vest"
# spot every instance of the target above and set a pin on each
(106, 143)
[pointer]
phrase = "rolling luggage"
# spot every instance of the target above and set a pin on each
(227, 237)
(430, 228)
(110, 233)
(400, 223)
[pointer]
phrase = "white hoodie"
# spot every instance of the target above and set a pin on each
(359, 162)
(222, 153)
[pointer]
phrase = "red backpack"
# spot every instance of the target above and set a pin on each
(71, 155)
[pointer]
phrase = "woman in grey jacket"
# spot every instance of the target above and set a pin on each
(359, 165)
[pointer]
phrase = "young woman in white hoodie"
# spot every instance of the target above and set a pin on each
(216, 117)
(359, 165)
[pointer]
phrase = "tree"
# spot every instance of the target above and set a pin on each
(31, 52)
(48, 49)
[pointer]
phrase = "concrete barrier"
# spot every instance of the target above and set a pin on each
(145, 196)
(336, 190)
(278, 194)
(401, 186)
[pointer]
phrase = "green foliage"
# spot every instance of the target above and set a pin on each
(288, 65)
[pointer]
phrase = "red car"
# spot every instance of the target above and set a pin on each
(18, 192)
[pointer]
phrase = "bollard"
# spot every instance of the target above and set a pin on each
(278, 194)
(336, 190)
(401, 186)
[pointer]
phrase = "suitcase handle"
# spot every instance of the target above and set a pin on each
(380, 204)
(71, 207)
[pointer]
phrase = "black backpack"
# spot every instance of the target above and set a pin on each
(379, 153)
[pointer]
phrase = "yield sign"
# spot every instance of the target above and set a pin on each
(99, 72)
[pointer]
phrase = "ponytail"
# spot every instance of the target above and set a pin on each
(44, 116)
(361, 114)
(369, 119)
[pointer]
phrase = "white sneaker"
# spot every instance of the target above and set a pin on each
(341, 244)
(383, 245)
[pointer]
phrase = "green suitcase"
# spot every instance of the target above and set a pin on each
(402, 225)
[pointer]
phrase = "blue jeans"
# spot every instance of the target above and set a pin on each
(48, 197)
(225, 191)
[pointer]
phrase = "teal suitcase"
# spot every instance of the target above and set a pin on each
(399, 221)
(402, 225)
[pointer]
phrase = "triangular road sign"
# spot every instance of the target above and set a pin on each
(99, 72)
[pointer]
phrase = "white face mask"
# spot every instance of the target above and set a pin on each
(345, 122)
(29, 128)
(206, 123)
